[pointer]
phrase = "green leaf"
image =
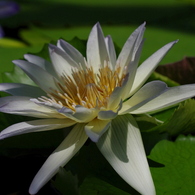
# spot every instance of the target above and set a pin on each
(96, 186)
(178, 174)
(66, 182)
(146, 122)
(165, 114)
(182, 120)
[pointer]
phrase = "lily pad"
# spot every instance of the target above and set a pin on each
(178, 174)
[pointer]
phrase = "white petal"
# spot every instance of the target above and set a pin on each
(81, 115)
(170, 97)
(67, 149)
(148, 92)
(115, 98)
(131, 70)
(96, 48)
(148, 66)
(62, 62)
(46, 65)
(130, 48)
(20, 89)
(72, 52)
(111, 51)
(22, 105)
(42, 78)
(117, 95)
(96, 128)
(122, 146)
(35, 126)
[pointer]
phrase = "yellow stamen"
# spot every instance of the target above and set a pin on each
(86, 88)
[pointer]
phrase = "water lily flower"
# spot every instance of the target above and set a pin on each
(97, 96)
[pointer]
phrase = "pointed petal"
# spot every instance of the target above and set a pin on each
(111, 51)
(35, 126)
(72, 52)
(96, 128)
(115, 98)
(96, 48)
(42, 78)
(62, 62)
(131, 69)
(81, 115)
(117, 95)
(41, 63)
(66, 150)
(171, 96)
(131, 46)
(19, 89)
(148, 66)
(148, 92)
(22, 105)
(122, 146)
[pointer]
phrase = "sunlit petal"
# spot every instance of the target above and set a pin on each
(148, 92)
(96, 128)
(111, 51)
(122, 146)
(170, 97)
(117, 94)
(148, 66)
(130, 48)
(35, 126)
(131, 70)
(96, 48)
(62, 62)
(66, 150)
(22, 105)
(72, 52)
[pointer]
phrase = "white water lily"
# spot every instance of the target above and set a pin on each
(97, 96)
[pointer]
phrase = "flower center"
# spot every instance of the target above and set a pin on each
(86, 88)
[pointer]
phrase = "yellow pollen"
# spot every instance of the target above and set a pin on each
(86, 88)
